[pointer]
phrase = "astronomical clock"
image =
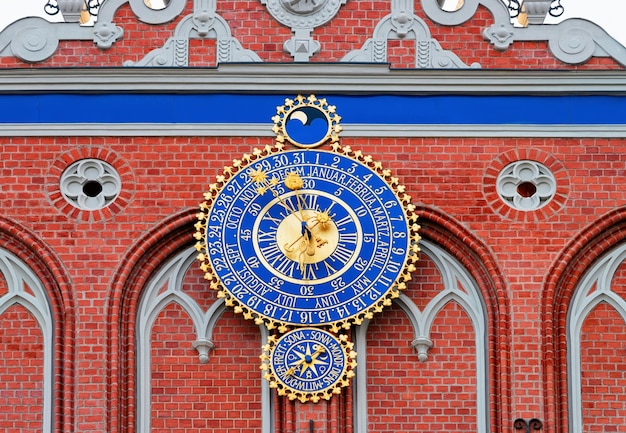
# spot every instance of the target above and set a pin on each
(307, 237)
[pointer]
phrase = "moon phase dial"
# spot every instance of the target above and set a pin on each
(308, 364)
(306, 122)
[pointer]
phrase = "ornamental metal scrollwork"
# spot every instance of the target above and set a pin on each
(522, 424)
(556, 10)
(514, 7)
(51, 7)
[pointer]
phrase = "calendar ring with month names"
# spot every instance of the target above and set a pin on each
(307, 237)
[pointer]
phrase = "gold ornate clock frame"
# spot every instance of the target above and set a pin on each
(307, 242)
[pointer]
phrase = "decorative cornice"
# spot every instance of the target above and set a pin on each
(256, 78)
(280, 79)
(264, 130)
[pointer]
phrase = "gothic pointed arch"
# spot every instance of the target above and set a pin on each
(37, 283)
(164, 310)
(473, 255)
(472, 282)
(585, 255)
(141, 260)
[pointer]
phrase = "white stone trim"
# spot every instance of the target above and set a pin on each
(17, 275)
(154, 299)
(255, 78)
(469, 298)
(593, 289)
(264, 130)
(523, 172)
(76, 178)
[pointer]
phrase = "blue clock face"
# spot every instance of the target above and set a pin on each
(308, 361)
(307, 237)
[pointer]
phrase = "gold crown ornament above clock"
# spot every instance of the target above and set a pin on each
(307, 241)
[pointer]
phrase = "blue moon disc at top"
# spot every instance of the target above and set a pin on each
(307, 126)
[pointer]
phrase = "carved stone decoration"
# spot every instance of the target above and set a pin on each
(302, 16)
(203, 20)
(303, 13)
(35, 39)
(433, 10)
(501, 36)
(526, 185)
(402, 23)
(202, 23)
(573, 41)
(574, 44)
(422, 345)
(204, 347)
(90, 184)
(106, 34)
(175, 51)
(144, 13)
(301, 46)
(537, 10)
(31, 43)
(70, 9)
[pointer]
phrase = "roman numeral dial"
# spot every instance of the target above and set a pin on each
(315, 243)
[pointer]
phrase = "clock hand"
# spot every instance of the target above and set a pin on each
(289, 208)
(311, 360)
(308, 246)
(259, 177)
(286, 206)
(318, 352)
(309, 239)
(318, 241)
(294, 182)
(305, 360)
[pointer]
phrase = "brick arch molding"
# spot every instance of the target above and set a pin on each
(41, 259)
(563, 277)
(143, 258)
(176, 233)
(479, 261)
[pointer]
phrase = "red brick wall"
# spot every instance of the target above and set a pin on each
(408, 396)
(603, 343)
(21, 371)
(330, 416)
(109, 258)
(221, 396)
(94, 265)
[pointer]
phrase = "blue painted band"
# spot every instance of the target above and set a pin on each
(361, 109)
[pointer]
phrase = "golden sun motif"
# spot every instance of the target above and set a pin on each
(308, 360)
